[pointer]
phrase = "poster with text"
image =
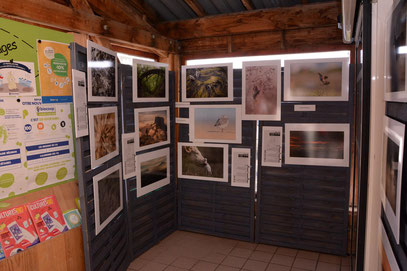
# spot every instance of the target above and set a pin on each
(48, 142)
(17, 79)
(54, 62)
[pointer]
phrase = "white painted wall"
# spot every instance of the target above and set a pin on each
(381, 11)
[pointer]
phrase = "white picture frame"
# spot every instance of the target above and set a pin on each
(229, 97)
(272, 145)
(104, 64)
(136, 98)
(95, 160)
(318, 74)
(241, 164)
(148, 113)
(129, 155)
(80, 103)
(96, 180)
(387, 249)
(205, 164)
(330, 156)
(259, 99)
(216, 123)
(394, 134)
(154, 157)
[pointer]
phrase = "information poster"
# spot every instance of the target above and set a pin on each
(54, 61)
(241, 167)
(12, 158)
(48, 142)
(272, 146)
(80, 103)
(17, 79)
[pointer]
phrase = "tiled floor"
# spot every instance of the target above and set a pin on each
(199, 252)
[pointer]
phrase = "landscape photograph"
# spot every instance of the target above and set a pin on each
(152, 126)
(150, 81)
(153, 170)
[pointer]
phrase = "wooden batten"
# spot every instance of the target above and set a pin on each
(276, 19)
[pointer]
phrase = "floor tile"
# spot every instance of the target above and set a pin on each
(345, 268)
(255, 265)
(297, 269)
(204, 266)
(152, 266)
(246, 245)
(226, 268)
(345, 261)
(282, 260)
(165, 258)
(305, 264)
(310, 255)
(266, 248)
(234, 261)
(287, 251)
(137, 264)
(261, 256)
(327, 258)
(327, 267)
(277, 267)
(214, 257)
(241, 252)
(184, 262)
(173, 268)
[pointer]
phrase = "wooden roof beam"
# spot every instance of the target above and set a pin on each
(276, 19)
(196, 7)
(51, 14)
(81, 5)
(145, 9)
(248, 4)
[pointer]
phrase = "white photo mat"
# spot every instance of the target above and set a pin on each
(137, 99)
(272, 146)
(137, 111)
(212, 99)
(129, 155)
(387, 249)
(241, 167)
(80, 103)
(318, 127)
(395, 131)
(91, 97)
(99, 227)
(92, 113)
(271, 63)
(212, 108)
(225, 165)
(344, 84)
(147, 157)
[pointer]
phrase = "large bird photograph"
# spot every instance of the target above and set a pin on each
(216, 124)
(316, 79)
(210, 82)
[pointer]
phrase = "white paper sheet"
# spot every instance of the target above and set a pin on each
(272, 145)
(241, 167)
(80, 104)
(129, 155)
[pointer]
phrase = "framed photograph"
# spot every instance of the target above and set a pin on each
(103, 134)
(261, 90)
(387, 260)
(317, 144)
(316, 79)
(272, 146)
(108, 196)
(102, 74)
(240, 167)
(392, 171)
(152, 127)
(395, 55)
(199, 161)
(150, 81)
(215, 123)
(129, 155)
(207, 83)
(153, 171)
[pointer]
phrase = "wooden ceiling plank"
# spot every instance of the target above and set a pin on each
(81, 5)
(145, 9)
(48, 13)
(248, 4)
(196, 7)
(276, 19)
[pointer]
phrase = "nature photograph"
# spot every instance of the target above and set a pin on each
(152, 126)
(209, 82)
(102, 67)
(150, 81)
(109, 195)
(203, 161)
(153, 170)
(316, 79)
(391, 172)
(317, 144)
(105, 134)
(261, 90)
